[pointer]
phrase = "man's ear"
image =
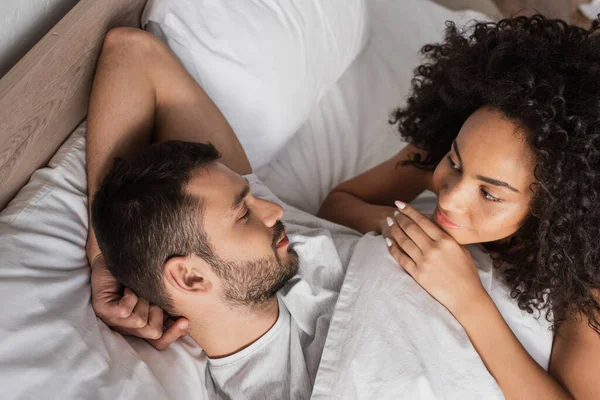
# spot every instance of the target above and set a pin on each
(188, 275)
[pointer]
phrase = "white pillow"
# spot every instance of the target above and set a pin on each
(51, 343)
(52, 346)
(348, 132)
(265, 63)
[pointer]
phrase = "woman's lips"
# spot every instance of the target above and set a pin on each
(441, 218)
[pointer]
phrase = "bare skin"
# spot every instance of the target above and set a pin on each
(484, 189)
(363, 203)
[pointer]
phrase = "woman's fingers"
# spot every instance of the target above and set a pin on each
(408, 214)
(402, 240)
(401, 257)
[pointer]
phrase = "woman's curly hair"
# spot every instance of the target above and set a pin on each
(545, 76)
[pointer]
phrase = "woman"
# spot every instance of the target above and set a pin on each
(504, 126)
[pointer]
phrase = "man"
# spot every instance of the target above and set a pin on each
(194, 232)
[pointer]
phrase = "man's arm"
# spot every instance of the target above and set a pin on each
(141, 93)
(141, 90)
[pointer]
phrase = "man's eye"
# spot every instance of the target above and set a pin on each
(246, 216)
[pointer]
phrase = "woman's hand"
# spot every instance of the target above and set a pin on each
(127, 314)
(383, 213)
(434, 259)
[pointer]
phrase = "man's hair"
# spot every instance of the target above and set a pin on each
(143, 216)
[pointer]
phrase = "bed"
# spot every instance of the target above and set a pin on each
(44, 97)
(51, 344)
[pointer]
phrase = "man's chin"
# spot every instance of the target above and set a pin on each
(289, 267)
(293, 260)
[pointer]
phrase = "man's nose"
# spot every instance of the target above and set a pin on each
(269, 212)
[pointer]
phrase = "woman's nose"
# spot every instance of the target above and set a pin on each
(453, 199)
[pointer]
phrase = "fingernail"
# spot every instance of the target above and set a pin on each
(396, 213)
(389, 221)
(400, 205)
(388, 242)
(184, 325)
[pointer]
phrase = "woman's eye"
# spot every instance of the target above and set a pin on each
(453, 165)
(488, 196)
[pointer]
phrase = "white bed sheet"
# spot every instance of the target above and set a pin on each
(389, 339)
(52, 346)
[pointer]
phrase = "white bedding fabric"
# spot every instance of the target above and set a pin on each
(389, 339)
(52, 346)
(348, 131)
(265, 63)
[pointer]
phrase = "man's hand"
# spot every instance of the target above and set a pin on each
(127, 314)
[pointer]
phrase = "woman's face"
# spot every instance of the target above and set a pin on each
(483, 183)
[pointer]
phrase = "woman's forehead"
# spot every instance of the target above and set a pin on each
(494, 146)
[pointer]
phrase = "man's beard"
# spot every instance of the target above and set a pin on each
(251, 283)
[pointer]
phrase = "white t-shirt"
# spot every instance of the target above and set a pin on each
(283, 363)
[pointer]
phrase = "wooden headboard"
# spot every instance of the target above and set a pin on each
(45, 96)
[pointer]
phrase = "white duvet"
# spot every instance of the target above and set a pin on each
(389, 339)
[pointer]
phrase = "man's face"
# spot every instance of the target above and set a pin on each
(253, 256)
